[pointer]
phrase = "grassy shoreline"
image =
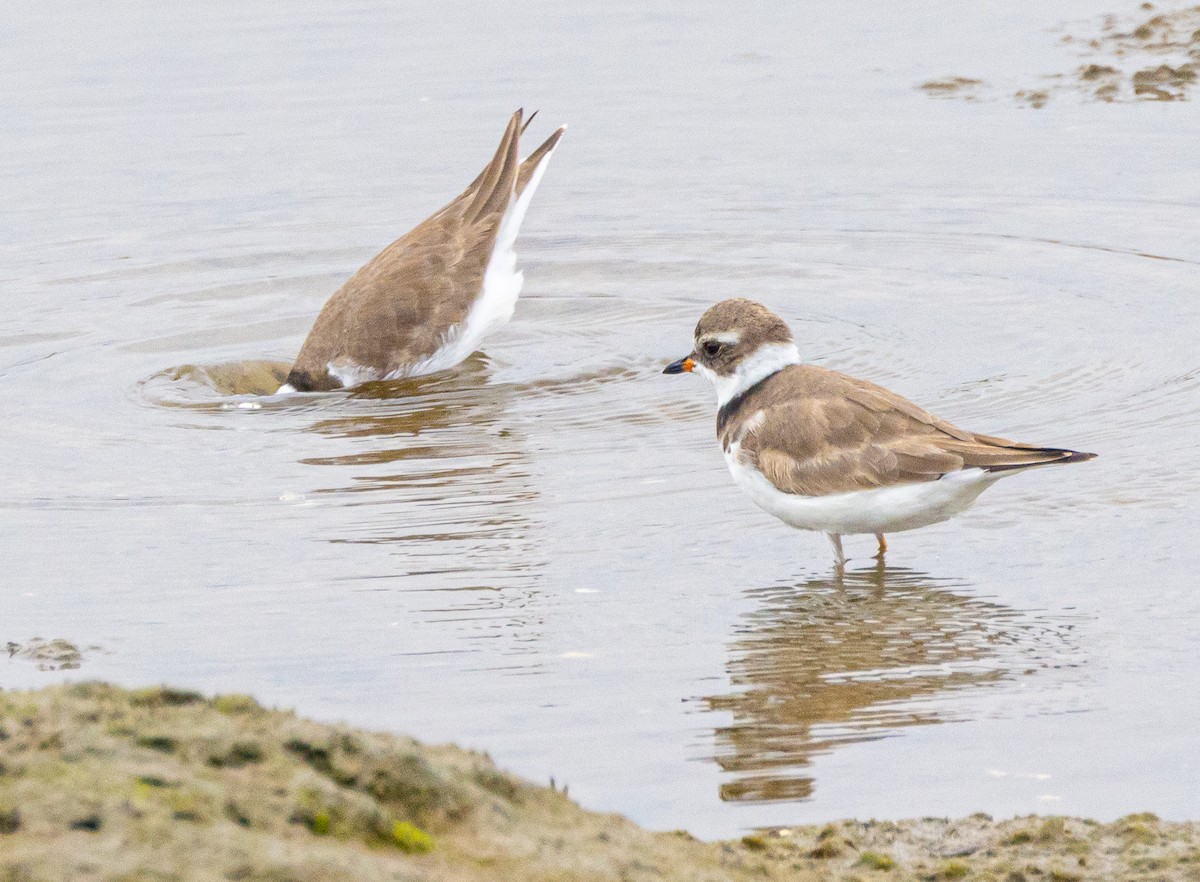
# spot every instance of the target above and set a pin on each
(103, 783)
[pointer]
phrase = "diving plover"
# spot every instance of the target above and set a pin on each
(425, 302)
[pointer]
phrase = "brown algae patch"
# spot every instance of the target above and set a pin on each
(1156, 58)
(1164, 83)
(964, 88)
(48, 655)
(102, 783)
(1035, 98)
(1152, 59)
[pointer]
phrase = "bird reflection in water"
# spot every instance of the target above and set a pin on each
(434, 472)
(437, 420)
(438, 460)
(851, 658)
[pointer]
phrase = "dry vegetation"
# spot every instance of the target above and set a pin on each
(101, 783)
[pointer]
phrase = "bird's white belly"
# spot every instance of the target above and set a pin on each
(882, 510)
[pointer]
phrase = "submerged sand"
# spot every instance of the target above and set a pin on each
(103, 783)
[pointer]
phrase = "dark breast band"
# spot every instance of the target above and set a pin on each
(729, 407)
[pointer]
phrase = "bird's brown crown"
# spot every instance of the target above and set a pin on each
(733, 330)
(751, 320)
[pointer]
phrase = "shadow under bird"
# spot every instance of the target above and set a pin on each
(824, 451)
(425, 302)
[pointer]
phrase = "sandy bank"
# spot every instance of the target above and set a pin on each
(103, 783)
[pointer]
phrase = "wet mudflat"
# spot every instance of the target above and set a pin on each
(541, 552)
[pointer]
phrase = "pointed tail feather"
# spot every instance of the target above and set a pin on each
(473, 193)
(470, 189)
(525, 170)
(1040, 456)
(496, 184)
(531, 163)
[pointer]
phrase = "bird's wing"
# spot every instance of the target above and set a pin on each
(822, 432)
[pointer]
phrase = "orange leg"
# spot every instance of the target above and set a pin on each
(882, 545)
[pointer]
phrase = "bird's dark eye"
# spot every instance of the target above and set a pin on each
(712, 347)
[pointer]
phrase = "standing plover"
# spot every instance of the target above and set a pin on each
(425, 302)
(824, 451)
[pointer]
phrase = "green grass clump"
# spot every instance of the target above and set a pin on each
(10, 820)
(235, 704)
(876, 861)
(1064, 876)
(1020, 837)
(152, 781)
(953, 870)
(186, 804)
(240, 753)
(754, 843)
(1052, 828)
(164, 696)
(411, 838)
(1138, 828)
(91, 822)
(830, 842)
(1138, 832)
(314, 754)
(233, 812)
(411, 784)
(498, 783)
(158, 742)
(825, 850)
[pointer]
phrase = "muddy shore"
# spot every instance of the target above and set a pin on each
(103, 783)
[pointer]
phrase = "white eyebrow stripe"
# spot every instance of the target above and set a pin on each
(730, 337)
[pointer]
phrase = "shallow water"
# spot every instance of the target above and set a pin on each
(540, 553)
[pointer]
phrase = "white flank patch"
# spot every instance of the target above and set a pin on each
(883, 510)
(766, 360)
(751, 425)
(350, 374)
(501, 286)
(450, 353)
(285, 389)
